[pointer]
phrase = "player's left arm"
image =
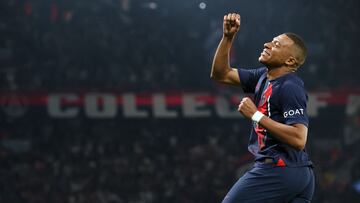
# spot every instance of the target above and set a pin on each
(294, 135)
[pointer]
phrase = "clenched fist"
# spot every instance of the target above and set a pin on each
(231, 24)
(247, 107)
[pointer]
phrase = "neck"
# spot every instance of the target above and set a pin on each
(274, 73)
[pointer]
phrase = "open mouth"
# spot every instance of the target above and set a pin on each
(264, 52)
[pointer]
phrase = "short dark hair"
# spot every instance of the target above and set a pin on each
(300, 43)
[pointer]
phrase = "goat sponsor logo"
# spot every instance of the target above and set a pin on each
(293, 112)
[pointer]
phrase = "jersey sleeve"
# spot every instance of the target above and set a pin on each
(249, 78)
(293, 99)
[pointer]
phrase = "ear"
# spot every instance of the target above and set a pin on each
(291, 61)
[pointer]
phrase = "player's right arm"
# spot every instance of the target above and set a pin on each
(221, 70)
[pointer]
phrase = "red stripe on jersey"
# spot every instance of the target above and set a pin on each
(264, 108)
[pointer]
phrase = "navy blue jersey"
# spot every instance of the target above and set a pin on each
(283, 100)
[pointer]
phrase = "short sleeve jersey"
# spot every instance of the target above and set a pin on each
(283, 100)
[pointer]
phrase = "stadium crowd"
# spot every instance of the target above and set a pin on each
(143, 45)
(108, 162)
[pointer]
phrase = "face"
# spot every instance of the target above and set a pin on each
(277, 52)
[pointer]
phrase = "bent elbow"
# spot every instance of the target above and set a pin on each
(300, 144)
(299, 136)
(215, 76)
(299, 139)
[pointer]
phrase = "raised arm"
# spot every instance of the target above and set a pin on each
(221, 70)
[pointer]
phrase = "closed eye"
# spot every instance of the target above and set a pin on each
(276, 43)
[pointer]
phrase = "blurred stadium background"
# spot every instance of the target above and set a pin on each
(110, 101)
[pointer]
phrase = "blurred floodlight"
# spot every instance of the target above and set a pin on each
(202, 5)
(152, 5)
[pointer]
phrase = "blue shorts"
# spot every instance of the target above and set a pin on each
(273, 185)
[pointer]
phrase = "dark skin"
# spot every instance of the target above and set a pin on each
(280, 56)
